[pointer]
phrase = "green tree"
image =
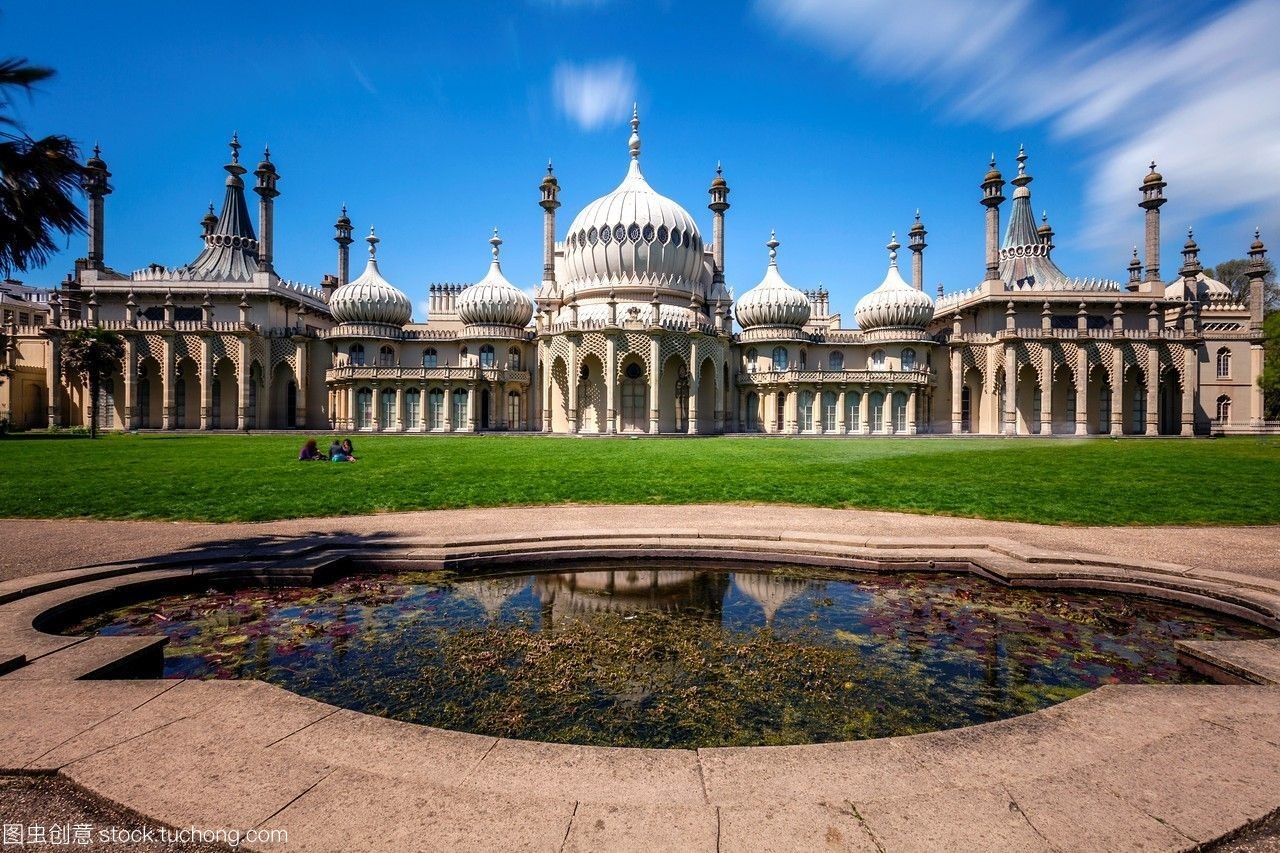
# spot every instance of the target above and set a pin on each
(39, 179)
(1235, 275)
(1270, 379)
(88, 354)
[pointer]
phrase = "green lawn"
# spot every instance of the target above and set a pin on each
(236, 478)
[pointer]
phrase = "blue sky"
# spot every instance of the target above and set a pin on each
(835, 121)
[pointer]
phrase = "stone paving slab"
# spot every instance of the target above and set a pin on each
(642, 829)
(787, 827)
(984, 819)
(95, 657)
(592, 774)
(192, 773)
(352, 810)
(1257, 661)
(1071, 811)
(38, 716)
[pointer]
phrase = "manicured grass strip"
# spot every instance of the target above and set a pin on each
(239, 478)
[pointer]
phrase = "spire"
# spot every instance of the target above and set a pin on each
(773, 245)
(893, 246)
(1022, 178)
(495, 241)
(634, 142)
(1135, 267)
(373, 240)
(1190, 256)
(231, 247)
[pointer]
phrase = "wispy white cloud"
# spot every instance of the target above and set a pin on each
(362, 78)
(1200, 100)
(423, 313)
(596, 94)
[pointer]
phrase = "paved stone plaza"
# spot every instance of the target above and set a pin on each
(1122, 767)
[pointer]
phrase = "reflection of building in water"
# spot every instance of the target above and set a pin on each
(769, 591)
(574, 594)
(493, 593)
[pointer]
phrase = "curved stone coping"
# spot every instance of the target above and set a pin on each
(1162, 767)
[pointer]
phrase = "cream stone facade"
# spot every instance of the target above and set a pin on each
(632, 332)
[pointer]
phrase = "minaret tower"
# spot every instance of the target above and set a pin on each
(550, 201)
(915, 239)
(208, 222)
(1135, 270)
(719, 192)
(97, 188)
(992, 196)
(342, 236)
(1257, 272)
(267, 192)
(1152, 198)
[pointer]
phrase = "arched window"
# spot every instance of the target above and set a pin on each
(830, 407)
(1139, 422)
(1224, 409)
(876, 411)
(364, 408)
(386, 357)
(804, 411)
(412, 408)
(387, 409)
(835, 361)
(1224, 363)
(486, 355)
(908, 359)
(355, 355)
(513, 359)
(430, 358)
(853, 411)
(513, 410)
(877, 359)
(752, 356)
(899, 412)
(435, 409)
(459, 408)
(779, 358)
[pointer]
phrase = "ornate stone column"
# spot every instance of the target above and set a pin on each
(471, 406)
(912, 410)
(378, 425)
(168, 383)
(611, 384)
(304, 382)
(1153, 389)
(864, 411)
(206, 380)
(1082, 391)
(129, 369)
(890, 428)
(399, 407)
(448, 407)
(841, 399)
(1117, 391)
(573, 377)
(1009, 417)
(53, 377)
(1046, 393)
(695, 383)
(655, 375)
(242, 386)
(1190, 388)
(957, 392)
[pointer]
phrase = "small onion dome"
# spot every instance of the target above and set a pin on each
(993, 174)
(1256, 245)
(894, 304)
(772, 302)
(494, 301)
(96, 161)
(718, 180)
(1153, 177)
(370, 298)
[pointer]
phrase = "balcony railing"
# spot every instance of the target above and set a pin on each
(465, 373)
(864, 376)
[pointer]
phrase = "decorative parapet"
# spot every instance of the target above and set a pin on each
(882, 376)
(234, 326)
(467, 373)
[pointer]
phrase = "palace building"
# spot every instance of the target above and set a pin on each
(633, 332)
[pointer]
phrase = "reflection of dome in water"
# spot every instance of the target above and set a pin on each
(493, 593)
(630, 590)
(769, 591)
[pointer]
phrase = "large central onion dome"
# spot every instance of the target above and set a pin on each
(894, 304)
(494, 301)
(772, 302)
(633, 236)
(370, 298)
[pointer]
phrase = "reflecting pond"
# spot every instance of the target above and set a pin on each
(676, 655)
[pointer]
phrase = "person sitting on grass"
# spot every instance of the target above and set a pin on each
(336, 453)
(349, 450)
(310, 453)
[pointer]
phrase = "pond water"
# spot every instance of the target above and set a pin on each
(675, 656)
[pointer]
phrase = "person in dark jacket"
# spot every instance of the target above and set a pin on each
(310, 453)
